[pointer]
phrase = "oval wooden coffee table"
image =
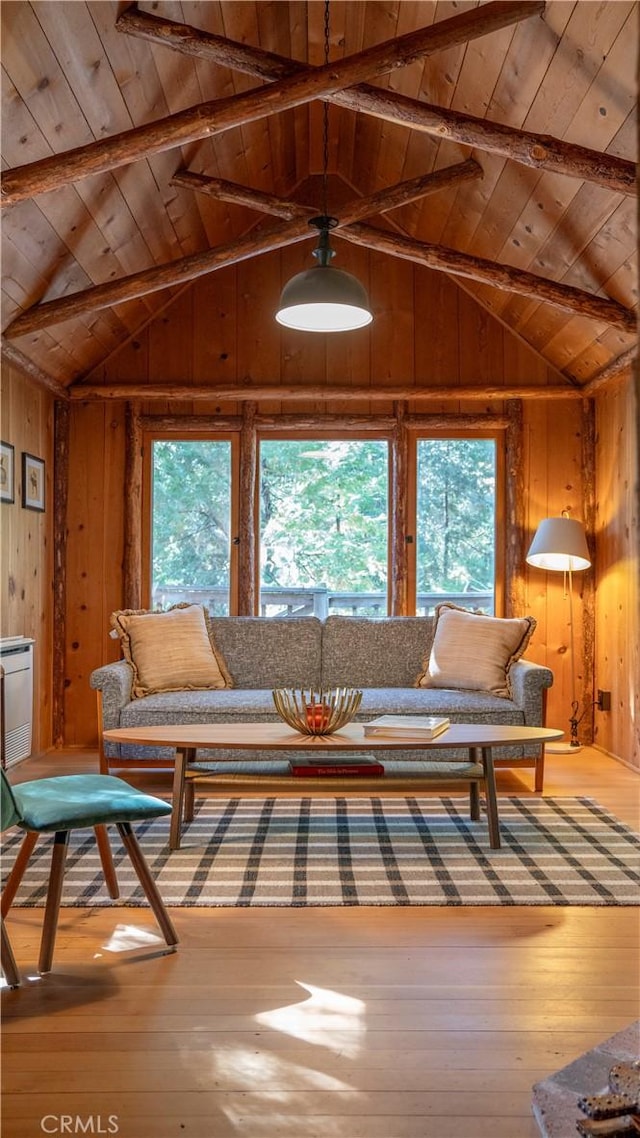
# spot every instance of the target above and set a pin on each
(478, 739)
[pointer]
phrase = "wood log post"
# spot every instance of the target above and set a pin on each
(61, 417)
(399, 560)
(247, 537)
(132, 559)
(587, 580)
(515, 545)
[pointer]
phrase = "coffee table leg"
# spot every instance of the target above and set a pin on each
(492, 798)
(184, 755)
(474, 789)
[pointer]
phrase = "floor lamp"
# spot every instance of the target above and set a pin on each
(561, 546)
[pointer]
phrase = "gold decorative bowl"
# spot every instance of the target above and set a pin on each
(316, 713)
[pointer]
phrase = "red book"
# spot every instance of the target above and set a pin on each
(353, 768)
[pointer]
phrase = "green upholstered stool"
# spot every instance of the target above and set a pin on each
(66, 802)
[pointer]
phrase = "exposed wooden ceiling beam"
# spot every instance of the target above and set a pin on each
(15, 358)
(239, 393)
(381, 202)
(504, 277)
(210, 118)
(613, 370)
(539, 151)
(250, 245)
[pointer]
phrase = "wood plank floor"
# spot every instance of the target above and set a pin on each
(316, 1023)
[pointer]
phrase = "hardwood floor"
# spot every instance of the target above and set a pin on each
(315, 1023)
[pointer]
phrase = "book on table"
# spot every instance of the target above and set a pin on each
(427, 726)
(352, 767)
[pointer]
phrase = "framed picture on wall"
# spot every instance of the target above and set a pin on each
(7, 475)
(32, 482)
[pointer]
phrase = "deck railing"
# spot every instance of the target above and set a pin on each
(321, 602)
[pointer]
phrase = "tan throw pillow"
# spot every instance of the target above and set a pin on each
(471, 650)
(169, 651)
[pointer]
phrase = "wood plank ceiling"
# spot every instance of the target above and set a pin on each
(76, 73)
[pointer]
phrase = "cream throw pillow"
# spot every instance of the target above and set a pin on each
(474, 651)
(169, 651)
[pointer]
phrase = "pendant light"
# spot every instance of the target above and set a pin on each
(324, 299)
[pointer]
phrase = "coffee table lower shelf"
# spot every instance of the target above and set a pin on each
(188, 739)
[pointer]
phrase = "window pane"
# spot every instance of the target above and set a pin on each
(191, 523)
(456, 523)
(323, 527)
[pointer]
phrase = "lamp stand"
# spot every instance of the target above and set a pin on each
(573, 746)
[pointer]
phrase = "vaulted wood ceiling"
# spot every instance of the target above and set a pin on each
(543, 231)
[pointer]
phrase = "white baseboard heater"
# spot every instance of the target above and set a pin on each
(16, 660)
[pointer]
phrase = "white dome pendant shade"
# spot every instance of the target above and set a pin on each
(323, 299)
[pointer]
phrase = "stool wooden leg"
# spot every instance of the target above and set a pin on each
(146, 880)
(52, 908)
(106, 857)
(17, 873)
(8, 960)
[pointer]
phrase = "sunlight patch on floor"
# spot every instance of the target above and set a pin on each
(326, 1018)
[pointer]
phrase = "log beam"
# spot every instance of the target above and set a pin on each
(612, 370)
(507, 278)
(208, 119)
(250, 245)
(539, 151)
(152, 392)
(226, 191)
(15, 358)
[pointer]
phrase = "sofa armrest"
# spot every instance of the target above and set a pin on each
(529, 682)
(115, 682)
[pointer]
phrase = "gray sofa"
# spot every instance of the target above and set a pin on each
(383, 657)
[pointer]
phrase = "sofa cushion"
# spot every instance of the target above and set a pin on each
(278, 653)
(168, 651)
(374, 653)
(474, 651)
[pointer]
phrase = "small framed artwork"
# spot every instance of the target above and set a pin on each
(7, 475)
(32, 482)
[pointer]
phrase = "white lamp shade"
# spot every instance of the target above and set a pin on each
(559, 544)
(323, 299)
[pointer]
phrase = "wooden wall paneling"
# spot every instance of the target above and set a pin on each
(394, 139)
(617, 567)
(391, 293)
(27, 541)
(481, 349)
(211, 311)
(437, 351)
(588, 468)
(353, 42)
(259, 342)
(170, 352)
(94, 556)
(379, 25)
(62, 415)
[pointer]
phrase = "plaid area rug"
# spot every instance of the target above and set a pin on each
(363, 851)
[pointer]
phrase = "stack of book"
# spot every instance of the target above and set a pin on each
(356, 767)
(427, 726)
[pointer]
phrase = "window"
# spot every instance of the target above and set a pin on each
(323, 526)
(456, 523)
(191, 523)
